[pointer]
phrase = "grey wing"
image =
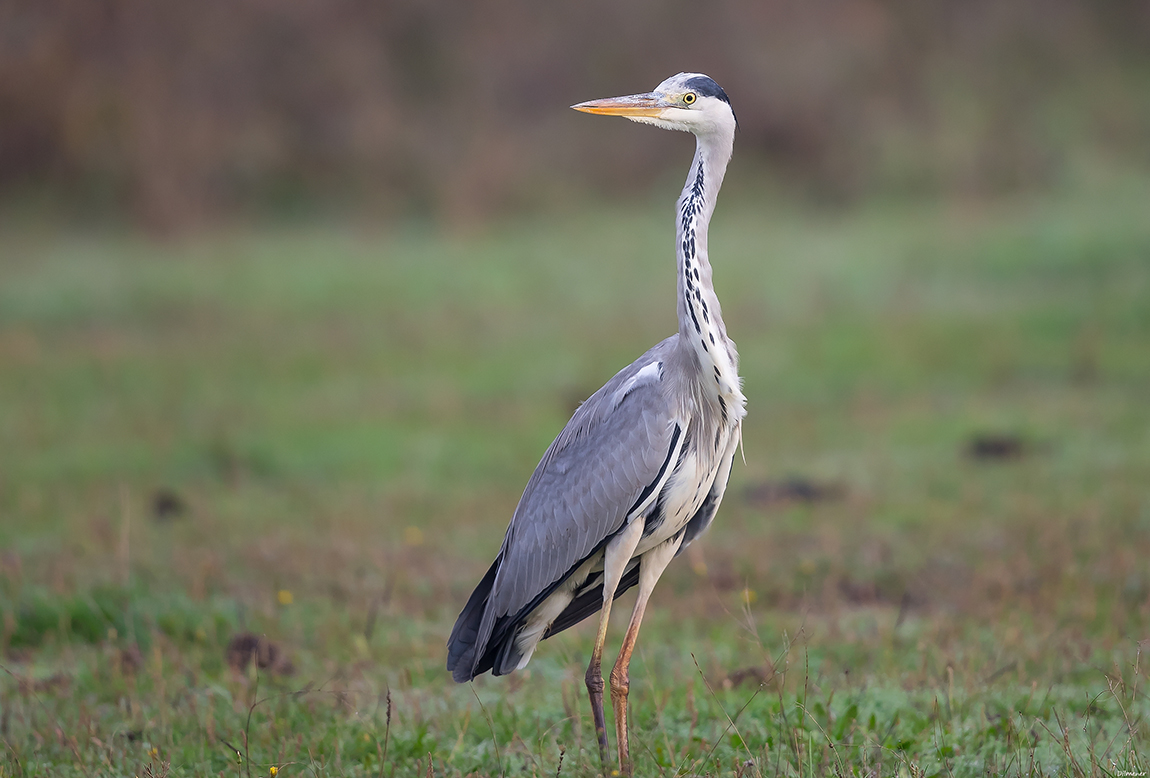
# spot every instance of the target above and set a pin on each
(608, 463)
(590, 598)
(590, 480)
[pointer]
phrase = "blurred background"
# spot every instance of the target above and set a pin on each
(171, 117)
(294, 294)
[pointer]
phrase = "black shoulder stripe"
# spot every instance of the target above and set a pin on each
(659, 477)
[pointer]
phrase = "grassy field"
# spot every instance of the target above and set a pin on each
(934, 561)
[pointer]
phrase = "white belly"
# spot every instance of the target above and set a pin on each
(688, 488)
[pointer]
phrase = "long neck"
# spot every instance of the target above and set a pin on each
(701, 327)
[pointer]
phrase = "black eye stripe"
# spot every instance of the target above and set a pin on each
(702, 85)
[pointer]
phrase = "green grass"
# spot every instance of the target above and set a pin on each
(349, 418)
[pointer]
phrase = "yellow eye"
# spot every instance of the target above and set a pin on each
(689, 98)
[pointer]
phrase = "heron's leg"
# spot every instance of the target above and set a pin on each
(651, 567)
(615, 560)
(594, 680)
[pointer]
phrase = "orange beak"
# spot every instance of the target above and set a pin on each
(648, 104)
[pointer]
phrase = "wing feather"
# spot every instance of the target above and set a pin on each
(582, 490)
(598, 471)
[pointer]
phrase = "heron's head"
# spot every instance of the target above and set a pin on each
(690, 102)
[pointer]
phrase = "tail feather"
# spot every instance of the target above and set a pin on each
(469, 657)
(463, 655)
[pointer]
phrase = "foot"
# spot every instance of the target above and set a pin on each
(620, 686)
(595, 692)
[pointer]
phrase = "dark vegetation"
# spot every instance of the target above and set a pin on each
(180, 114)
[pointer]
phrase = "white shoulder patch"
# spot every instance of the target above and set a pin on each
(648, 374)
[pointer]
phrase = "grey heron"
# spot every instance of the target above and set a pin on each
(641, 467)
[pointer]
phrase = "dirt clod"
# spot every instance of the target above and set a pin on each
(995, 447)
(793, 489)
(247, 647)
(167, 504)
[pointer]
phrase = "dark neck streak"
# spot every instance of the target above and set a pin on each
(702, 333)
